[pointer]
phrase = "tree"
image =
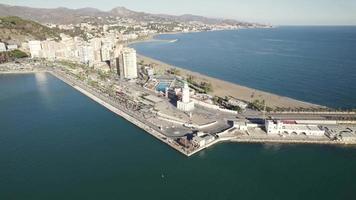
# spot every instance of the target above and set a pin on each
(237, 108)
(215, 99)
(190, 79)
(175, 72)
(207, 87)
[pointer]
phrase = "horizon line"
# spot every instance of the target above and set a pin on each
(212, 17)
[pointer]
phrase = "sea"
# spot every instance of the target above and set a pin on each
(312, 64)
(56, 143)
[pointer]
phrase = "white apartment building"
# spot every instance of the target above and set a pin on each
(86, 54)
(129, 62)
(2, 47)
(96, 44)
(94, 52)
(12, 47)
(49, 48)
(35, 48)
(106, 50)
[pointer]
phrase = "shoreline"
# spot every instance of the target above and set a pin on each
(224, 88)
(101, 100)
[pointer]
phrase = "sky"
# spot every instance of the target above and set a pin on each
(275, 12)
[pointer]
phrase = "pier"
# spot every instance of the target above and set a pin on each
(135, 118)
(104, 101)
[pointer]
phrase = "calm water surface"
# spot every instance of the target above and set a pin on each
(313, 64)
(56, 143)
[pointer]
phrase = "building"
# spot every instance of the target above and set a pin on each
(235, 102)
(86, 54)
(185, 104)
(2, 47)
(149, 71)
(203, 140)
(106, 50)
(280, 127)
(240, 125)
(49, 48)
(129, 64)
(12, 47)
(35, 48)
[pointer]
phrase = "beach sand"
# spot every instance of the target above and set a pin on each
(223, 88)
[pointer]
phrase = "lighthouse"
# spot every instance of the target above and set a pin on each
(185, 104)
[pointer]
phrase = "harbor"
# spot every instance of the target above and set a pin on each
(177, 100)
(190, 135)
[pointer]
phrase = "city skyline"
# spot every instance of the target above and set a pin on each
(287, 12)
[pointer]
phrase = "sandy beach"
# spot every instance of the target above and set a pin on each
(223, 88)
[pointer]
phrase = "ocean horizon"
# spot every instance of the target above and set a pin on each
(315, 64)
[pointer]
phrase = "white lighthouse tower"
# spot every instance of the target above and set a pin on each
(185, 93)
(185, 104)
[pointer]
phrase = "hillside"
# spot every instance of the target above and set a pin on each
(14, 29)
(72, 16)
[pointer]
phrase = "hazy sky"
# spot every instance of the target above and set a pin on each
(277, 12)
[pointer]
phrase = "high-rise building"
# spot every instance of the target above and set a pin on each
(95, 43)
(49, 48)
(129, 64)
(86, 54)
(35, 48)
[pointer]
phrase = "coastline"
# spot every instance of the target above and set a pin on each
(224, 88)
(149, 128)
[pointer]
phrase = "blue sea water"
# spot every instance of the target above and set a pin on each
(313, 64)
(56, 143)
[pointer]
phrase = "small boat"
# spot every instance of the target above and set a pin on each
(173, 41)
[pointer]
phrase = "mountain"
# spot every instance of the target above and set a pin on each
(47, 15)
(67, 16)
(124, 12)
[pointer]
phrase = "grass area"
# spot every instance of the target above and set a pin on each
(17, 54)
(11, 55)
(204, 86)
(259, 105)
(71, 64)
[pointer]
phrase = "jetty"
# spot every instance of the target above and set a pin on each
(105, 101)
(216, 126)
